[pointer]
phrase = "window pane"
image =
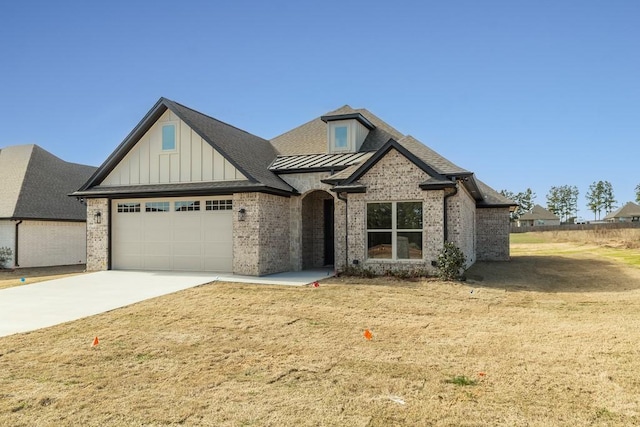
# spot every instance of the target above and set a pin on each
(379, 245)
(169, 137)
(187, 206)
(379, 216)
(156, 207)
(410, 245)
(128, 207)
(409, 216)
(341, 136)
(219, 205)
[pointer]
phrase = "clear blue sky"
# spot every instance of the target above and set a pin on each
(523, 93)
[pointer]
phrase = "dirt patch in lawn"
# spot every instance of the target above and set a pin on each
(464, 354)
(10, 278)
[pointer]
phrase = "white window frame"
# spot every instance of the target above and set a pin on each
(153, 207)
(175, 137)
(189, 205)
(219, 205)
(332, 137)
(128, 207)
(394, 231)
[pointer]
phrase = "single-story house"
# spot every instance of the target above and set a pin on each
(538, 216)
(185, 191)
(39, 223)
(628, 213)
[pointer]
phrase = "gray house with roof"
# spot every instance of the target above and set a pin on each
(538, 216)
(39, 222)
(630, 212)
(185, 191)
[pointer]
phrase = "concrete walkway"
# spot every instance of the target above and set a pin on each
(39, 305)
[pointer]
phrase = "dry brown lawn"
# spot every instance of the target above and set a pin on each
(10, 278)
(546, 339)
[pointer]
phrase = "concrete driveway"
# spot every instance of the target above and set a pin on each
(39, 305)
(30, 307)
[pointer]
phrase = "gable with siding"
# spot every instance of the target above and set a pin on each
(192, 160)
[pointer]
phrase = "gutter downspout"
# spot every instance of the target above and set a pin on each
(15, 255)
(346, 230)
(445, 216)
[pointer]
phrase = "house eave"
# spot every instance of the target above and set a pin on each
(179, 192)
(352, 116)
(349, 189)
(24, 218)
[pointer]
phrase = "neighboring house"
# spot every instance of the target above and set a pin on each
(39, 222)
(538, 216)
(628, 213)
(185, 191)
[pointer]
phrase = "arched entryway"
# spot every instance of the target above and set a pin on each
(317, 230)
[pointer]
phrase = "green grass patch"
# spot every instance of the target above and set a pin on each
(461, 380)
(628, 256)
(526, 238)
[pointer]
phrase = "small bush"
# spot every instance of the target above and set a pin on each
(451, 262)
(5, 255)
(404, 274)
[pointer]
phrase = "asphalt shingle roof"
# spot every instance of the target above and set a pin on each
(538, 212)
(40, 184)
(629, 210)
(311, 137)
(261, 160)
(250, 154)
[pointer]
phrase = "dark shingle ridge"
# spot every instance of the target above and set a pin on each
(47, 182)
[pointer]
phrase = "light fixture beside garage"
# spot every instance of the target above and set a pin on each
(98, 217)
(242, 213)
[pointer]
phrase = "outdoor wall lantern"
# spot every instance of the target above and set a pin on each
(98, 217)
(242, 213)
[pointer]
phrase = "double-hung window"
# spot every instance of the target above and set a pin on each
(394, 230)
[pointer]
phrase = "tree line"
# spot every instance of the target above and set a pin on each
(563, 200)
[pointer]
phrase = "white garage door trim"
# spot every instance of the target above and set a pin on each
(173, 234)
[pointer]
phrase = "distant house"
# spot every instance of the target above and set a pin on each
(39, 222)
(628, 213)
(185, 191)
(538, 216)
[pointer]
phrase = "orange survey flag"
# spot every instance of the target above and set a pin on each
(367, 334)
(95, 342)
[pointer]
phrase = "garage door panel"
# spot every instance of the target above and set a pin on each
(152, 262)
(187, 249)
(218, 264)
(156, 249)
(172, 240)
(186, 263)
(128, 262)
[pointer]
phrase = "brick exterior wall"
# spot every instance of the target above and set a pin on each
(461, 223)
(261, 242)
(395, 178)
(492, 228)
(97, 235)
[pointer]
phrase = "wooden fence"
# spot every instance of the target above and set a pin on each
(568, 227)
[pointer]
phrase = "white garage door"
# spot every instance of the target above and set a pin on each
(184, 234)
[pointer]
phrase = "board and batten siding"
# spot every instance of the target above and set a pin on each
(193, 160)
